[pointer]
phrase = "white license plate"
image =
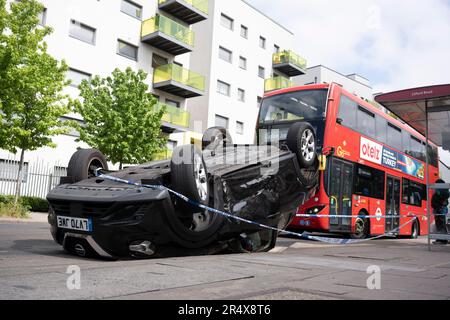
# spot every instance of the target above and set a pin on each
(71, 223)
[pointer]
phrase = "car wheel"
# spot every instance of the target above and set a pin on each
(362, 227)
(83, 163)
(301, 140)
(189, 176)
(216, 137)
(415, 232)
(261, 241)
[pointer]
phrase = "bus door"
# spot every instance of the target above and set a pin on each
(392, 204)
(341, 190)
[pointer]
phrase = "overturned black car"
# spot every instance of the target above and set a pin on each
(93, 216)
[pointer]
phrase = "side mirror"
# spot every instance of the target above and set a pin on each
(339, 120)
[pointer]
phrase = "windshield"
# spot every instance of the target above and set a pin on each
(294, 106)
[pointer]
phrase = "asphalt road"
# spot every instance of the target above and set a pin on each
(32, 266)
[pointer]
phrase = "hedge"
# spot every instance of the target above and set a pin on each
(32, 203)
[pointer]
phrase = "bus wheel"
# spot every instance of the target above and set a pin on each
(415, 230)
(302, 141)
(362, 228)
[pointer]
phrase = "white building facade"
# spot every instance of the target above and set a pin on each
(353, 83)
(94, 37)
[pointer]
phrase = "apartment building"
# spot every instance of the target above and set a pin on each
(243, 53)
(96, 36)
(354, 83)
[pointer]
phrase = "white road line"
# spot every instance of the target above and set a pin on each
(278, 250)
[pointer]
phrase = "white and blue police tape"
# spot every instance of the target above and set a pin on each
(233, 217)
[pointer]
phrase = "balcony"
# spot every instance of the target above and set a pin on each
(189, 11)
(289, 63)
(178, 81)
(277, 83)
(174, 117)
(167, 35)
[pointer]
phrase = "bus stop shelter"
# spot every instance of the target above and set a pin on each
(427, 110)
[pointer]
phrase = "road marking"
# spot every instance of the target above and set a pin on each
(278, 250)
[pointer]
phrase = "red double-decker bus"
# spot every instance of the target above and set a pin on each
(374, 178)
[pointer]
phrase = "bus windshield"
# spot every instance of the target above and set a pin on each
(294, 106)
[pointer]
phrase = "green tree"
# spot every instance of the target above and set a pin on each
(121, 119)
(31, 81)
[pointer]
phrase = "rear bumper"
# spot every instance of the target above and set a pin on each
(117, 220)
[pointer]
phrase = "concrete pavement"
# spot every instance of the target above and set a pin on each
(32, 266)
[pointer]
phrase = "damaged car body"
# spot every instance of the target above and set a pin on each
(91, 215)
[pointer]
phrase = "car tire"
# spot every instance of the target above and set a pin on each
(193, 226)
(415, 231)
(82, 163)
(363, 228)
(301, 140)
(216, 137)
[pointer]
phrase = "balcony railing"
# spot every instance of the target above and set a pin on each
(290, 63)
(168, 35)
(277, 83)
(180, 81)
(202, 5)
(174, 115)
(163, 155)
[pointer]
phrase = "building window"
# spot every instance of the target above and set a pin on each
(43, 17)
(223, 88)
(82, 32)
(158, 61)
(239, 127)
(241, 95)
(243, 63)
(173, 103)
(276, 49)
(131, 9)
(262, 42)
(76, 77)
(261, 72)
(10, 168)
(244, 32)
(221, 121)
(127, 50)
(225, 55)
(227, 22)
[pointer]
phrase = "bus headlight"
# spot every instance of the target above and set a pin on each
(315, 210)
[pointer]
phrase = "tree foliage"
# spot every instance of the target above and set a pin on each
(120, 116)
(31, 80)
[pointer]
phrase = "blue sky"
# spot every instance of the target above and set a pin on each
(394, 43)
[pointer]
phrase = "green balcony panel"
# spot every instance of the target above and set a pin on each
(174, 115)
(277, 83)
(179, 81)
(188, 11)
(289, 63)
(167, 35)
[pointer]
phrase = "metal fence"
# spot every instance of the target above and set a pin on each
(39, 177)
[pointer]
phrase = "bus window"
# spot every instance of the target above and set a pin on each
(406, 142)
(394, 137)
(369, 182)
(366, 122)
(433, 156)
(381, 129)
(347, 112)
(413, 193)
(417, 149)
